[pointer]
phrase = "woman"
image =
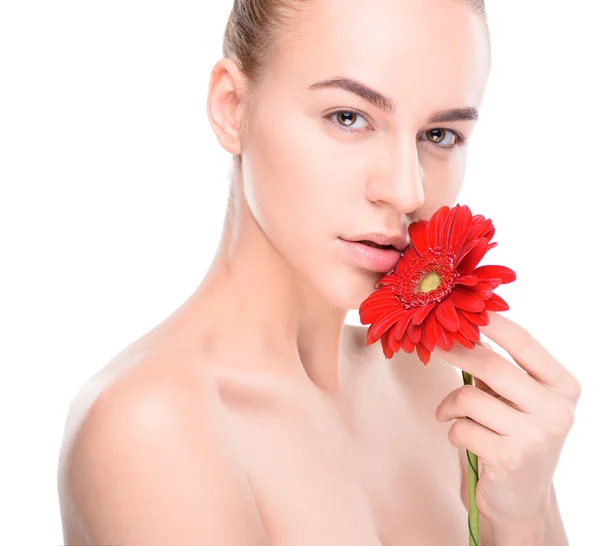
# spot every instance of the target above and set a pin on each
(254, 415)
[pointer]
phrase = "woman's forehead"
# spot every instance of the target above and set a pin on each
(398, 46)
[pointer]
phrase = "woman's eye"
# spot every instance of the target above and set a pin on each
(346, 120)
(442, 138)
(439, 136)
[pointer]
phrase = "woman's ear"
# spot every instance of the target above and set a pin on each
(225, 91)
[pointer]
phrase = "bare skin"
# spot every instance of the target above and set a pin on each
(370, 468)
(253, 415)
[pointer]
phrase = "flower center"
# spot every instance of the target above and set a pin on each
(429, 282)
(427, 279)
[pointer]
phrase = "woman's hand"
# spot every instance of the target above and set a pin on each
(515, 422)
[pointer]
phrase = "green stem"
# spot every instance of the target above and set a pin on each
(473, 469)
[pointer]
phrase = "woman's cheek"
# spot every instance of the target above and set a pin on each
(443, 177)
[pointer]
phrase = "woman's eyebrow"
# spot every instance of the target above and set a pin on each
(388, 105)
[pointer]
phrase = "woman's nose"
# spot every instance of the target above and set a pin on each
(399, 182)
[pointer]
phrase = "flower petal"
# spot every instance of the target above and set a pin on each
(468, 329)
(434, 231)
(479, 319)
(424, 354)
(405, 262)
(414, 332)
(471, 260)
(480, 227)
(496, 303)
(466, 300)
(388, 280)
(466, 280)
(378, 328)
(446, 314)
(502, 272)
(422, 312)
(387, 351)
(464, 250)
(430, 338)
(449, 228)
(441, 336)
(483, 290)
(417, 233)
(463, 340)
(394, 344)
(373, 313)
(407, 345)
(399, 329)
(377, 305)
(461, 225)
(426, 340)
(486, 227)
(494, 283)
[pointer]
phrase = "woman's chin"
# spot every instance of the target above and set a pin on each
(350, 290)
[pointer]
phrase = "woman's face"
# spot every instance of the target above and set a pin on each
(321, 163)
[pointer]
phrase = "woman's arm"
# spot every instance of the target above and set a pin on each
(148, 469)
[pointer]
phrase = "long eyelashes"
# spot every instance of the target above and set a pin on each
(459, 139)
(344, 128)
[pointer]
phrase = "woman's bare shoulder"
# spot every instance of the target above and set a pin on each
(144, 461)
(138, 373)
(146, 382)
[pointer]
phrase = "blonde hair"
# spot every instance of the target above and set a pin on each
(255, 26)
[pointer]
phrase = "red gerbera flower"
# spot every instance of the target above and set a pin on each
(436, 294)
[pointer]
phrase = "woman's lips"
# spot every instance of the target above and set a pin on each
(375, 259)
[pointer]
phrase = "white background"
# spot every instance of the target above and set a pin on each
(113, 190)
